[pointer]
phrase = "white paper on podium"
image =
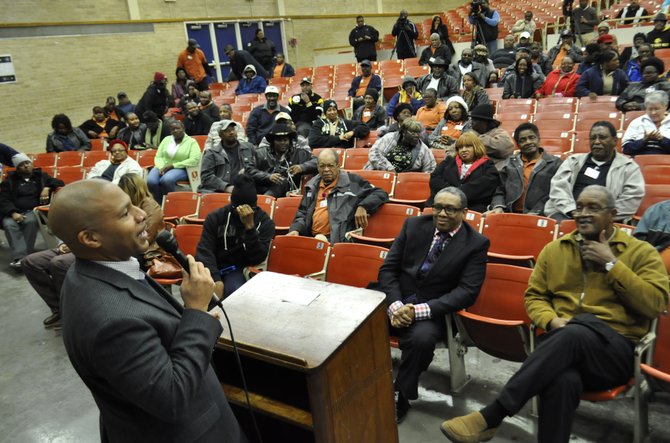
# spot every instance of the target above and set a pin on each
(300, 296)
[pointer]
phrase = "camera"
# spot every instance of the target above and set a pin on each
(476, 7)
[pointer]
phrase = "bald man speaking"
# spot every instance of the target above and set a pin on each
(145, 358)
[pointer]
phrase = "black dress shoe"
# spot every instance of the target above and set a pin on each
(52, 320)
(401, 407)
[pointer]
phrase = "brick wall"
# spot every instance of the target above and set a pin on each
(73, 74)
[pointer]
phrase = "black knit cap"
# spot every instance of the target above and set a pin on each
(244, 191)
(398, 109)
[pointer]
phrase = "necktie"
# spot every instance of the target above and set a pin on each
(435, 251)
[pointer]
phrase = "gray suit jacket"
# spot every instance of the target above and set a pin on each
(145, 359)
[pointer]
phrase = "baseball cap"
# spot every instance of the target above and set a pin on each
(366, 63)
(524, 34)
(272, 90)
(306, 80)
(283, 115)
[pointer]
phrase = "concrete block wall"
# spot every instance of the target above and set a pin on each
(74, 73)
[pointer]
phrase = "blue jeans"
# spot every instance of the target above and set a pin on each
(159, 185)
(232, 282)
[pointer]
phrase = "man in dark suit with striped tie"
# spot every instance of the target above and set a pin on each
(435, 266)
(145, 358)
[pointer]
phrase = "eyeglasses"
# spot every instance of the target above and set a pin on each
(116, 151)
(590, 209)
(449, 210)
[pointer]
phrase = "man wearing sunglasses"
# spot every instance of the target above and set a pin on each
(436, 266)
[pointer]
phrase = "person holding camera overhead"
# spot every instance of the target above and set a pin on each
(405, 33)
(485, 20)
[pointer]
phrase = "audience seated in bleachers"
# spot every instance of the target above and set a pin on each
(262, 117)
(331, 130)
(402, 151)
(278, 168)
(649, 133)
(23, 190)
(371, 113)
(100, 126)
(438, 79)
(450, 128)
(499, 145)
(222, 162)
(175, 153)
(526, 175)
(118, 164)
(602, 166)
(234, 237)
(591, 82)
(632, 98)
(320, 214)
(470, 170)
(65, 137)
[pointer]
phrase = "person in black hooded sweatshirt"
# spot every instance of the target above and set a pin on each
(234, 237)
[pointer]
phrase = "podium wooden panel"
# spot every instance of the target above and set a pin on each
(316, 359)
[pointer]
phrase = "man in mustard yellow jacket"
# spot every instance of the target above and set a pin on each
(595, 291)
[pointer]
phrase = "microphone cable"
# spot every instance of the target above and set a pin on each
(219, 303)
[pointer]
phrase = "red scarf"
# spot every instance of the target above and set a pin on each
(475, 165)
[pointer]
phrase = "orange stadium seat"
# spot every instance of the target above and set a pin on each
(354, 264)
(284, 213)
(179, 204)
(208, 203)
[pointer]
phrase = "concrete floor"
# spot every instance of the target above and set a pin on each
(43, 400)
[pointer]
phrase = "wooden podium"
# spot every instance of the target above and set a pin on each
(316, 360)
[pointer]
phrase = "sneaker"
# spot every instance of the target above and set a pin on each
(16, 265)
(401, 407)
(52, 320)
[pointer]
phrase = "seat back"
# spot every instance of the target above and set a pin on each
(212, 202)
(518, 234)
(656, 174)
(387, 221)
(188, 237)
(97, 144)
(45, 160)
(412, 186)
(644, 161)
(295, 255)
(93, 157)
(69, 158)
(146, 158)
(500, 326)
(179, 204)
(439, 154)
(267, 204)
(356, 158)
(354, 264)
(653, 194)
(69, 174)
(284, 212)
(201, 139)
(380, 179)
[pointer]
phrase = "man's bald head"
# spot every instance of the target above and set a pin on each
(84, 215)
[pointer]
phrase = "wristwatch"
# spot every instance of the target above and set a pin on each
(609, 265)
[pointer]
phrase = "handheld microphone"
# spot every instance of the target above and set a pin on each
(166, 240)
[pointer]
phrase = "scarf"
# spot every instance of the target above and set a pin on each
(154, 139)
(404, 98)
(473, 166)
